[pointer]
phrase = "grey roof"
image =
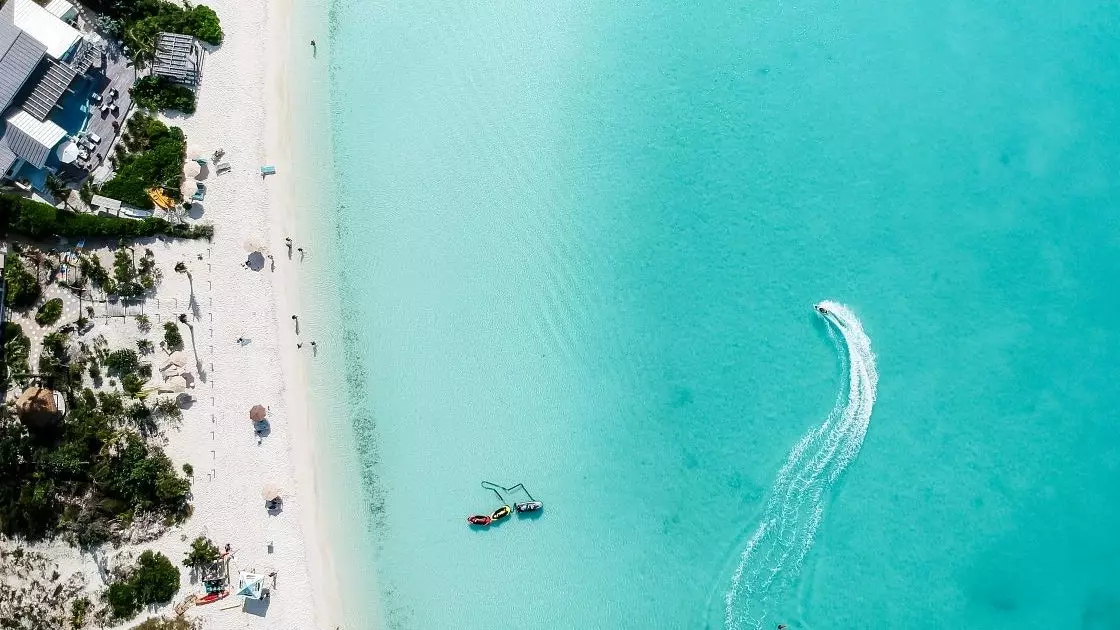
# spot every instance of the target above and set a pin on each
(178, 57)
(7, 158)
(44, 96)
(105, 202)
(31, 139)
(19, 54)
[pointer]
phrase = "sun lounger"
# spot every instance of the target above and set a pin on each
(268, 170)
(199, 194)
(222, 167)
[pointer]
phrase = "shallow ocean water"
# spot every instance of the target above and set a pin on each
(580, 246)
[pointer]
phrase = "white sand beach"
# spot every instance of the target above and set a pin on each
(240, 109)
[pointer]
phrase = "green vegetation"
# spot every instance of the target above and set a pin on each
(143, 324)
(122, 362)
(172, 338)
(79, 608)
(49, 313)
(121, 598)
(145, 346)
(17, 352)
(150, 155)
(132, 384)
(54, 360)
(37, 220)
(83, 476)
(203, 553)
(156, 92)
(22, 288)
(188, 470)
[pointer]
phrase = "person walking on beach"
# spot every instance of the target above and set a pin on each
(314, 49)
(300, 250)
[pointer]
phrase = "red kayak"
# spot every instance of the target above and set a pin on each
(479, 519)
(210, 598)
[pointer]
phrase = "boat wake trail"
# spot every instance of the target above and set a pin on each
(777, 548)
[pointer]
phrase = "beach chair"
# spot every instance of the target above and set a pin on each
(222, 167)
(199, 194)
(268, 170)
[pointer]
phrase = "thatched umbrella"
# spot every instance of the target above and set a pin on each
(270, 492)
(191, 169)
(258, 413)
(177, 358)
(188, 189)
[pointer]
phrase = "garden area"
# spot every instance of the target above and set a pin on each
(155, 92)
(149, 155)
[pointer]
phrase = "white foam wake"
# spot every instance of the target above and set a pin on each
(775, 552)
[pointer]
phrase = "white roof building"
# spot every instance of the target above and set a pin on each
(58, 36)
(32, 139)
(62, 10)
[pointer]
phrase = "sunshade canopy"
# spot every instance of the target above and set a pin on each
(270, 492)
(250, 585)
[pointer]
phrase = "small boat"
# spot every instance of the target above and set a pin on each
(528, 506)
(210, 598)
(500, 513)
(479, 519)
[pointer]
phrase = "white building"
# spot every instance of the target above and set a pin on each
(40, 56)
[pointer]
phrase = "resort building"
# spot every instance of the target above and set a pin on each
(44, 88)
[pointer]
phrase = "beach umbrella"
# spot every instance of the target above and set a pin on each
(255, 261)
(191, 169)
(189, 188)
(68, 152)
(250, 585)
(258, 413)
(270, 492)
(177, 358)
(178, 383)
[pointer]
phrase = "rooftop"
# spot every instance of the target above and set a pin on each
(58, 36)
(19, 54)
(32, 139)
(178, 57)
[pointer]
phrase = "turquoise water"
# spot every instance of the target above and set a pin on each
(580, 244)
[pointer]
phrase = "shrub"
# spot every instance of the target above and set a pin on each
(132, 384)
(121, 598)
(172, 338)
(156, 580)
(157, 92)
(49, 313)
(203, 553)
(143, 323)
(168, 409)
(94, 371)
(188, 470)
(17, 351)
(78, 610)
(145, 346)
(125, 274)
(122, 362)
(21, 288)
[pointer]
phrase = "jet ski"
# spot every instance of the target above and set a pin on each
(479, 519)
(528, 506)
(500, 513)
